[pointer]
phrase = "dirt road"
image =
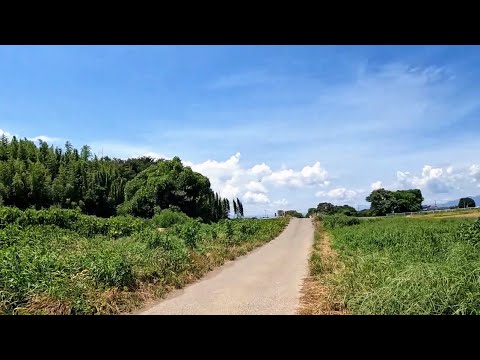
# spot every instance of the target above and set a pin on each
(266, 281)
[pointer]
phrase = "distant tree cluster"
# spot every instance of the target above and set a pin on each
(330, 209)
(385, 202)
(41, 176)
(466, 203)
(293, 213)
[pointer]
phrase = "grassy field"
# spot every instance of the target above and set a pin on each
(405, 265)
(62, 262)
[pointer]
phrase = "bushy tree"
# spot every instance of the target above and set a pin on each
(293, 213)
(326, 208)
(311, 211)
(384, 201)
(466, 202)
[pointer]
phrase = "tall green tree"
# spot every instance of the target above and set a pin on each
(235, 208)
(384, 201)
(240, 207)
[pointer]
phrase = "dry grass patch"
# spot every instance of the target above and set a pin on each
(318, 296)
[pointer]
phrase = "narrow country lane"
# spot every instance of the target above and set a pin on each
(266, 281)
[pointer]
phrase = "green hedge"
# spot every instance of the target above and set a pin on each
(85, 225)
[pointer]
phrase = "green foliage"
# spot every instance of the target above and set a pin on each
(43, 176)
(84, 225)
(384, 201)
(169, 183)
(345, 210)
(470, 232)
(229, 231)
(293, 213)
(330, 209)
(326, 208)
(338, 220)
(48, 269)
(167, 218)
(311, 211)
(110, 269)
(466, 203)
(188, 232)
(409, 266)
(365, 213)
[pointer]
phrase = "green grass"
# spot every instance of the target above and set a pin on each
(409, 266)
(47, 269)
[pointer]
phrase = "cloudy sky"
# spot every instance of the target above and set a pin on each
(281, 127)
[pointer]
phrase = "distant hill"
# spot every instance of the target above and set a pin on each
(455, 202)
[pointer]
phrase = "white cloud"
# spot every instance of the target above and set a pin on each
(260, 170)
(474, 172)
(229, 178)
(308, 176)
(229, 191)
(376, 185)
(338, 194)
(48, 139)
(437, 180)
(255, 198)
(281, 202)
(45, 138)
(154, 155)
(256, 186)
(221, 170)
(6, 133)
(313, 175)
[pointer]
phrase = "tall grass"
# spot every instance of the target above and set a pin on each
(409, 266)
(64, 269)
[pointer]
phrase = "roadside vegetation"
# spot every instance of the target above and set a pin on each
(86, 235)
(404, 265)
(63, 262)
(317, 295)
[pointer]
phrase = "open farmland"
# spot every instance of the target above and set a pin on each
(402, 265)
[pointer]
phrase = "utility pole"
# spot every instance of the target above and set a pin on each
(265, 213)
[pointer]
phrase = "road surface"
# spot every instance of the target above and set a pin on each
(266, 281)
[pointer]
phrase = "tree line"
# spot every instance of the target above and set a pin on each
(381, 201)
(42, 176)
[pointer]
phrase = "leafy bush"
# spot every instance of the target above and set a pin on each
(470, 232)
(85, 225)
(110, 269)
(188, 232)
(338, 220)
(167, 218)
(228, 228)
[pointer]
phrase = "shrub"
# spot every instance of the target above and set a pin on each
(188, 232)
(167, 218)
(338, 220)
(110, 269)
(470, 232)
(85, 225)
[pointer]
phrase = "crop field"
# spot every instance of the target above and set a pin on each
(59, 261)
(406, 265)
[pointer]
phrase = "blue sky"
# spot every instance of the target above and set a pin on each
(277, 126)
